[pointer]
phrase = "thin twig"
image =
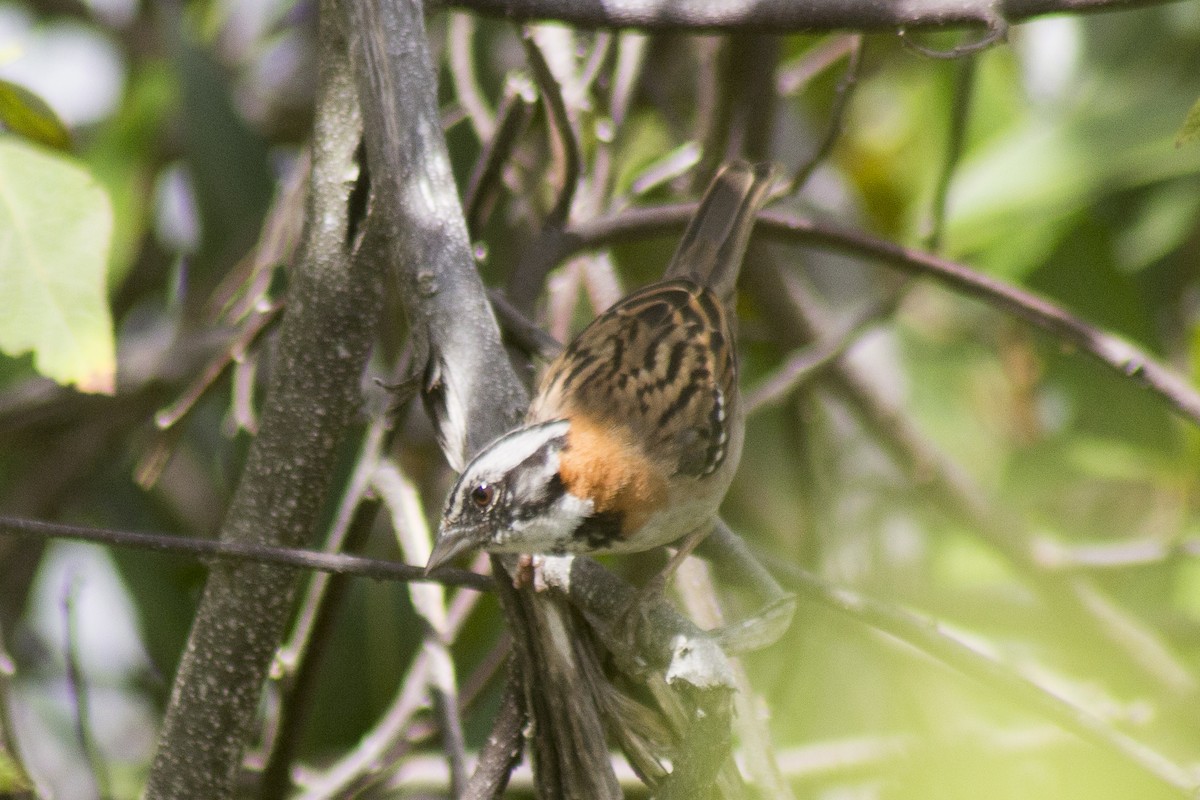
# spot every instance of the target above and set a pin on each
(516, 109)
(297, 682)
(526, 333)
(837, 115)
(997, 31)
(794, 75)
(296, 662)
(960, 112)
(1120, 355)
(357, 486)
(563, 139)
(460, 44)
(502, 751)
(1117, 555)
(389, 739)
(416, 543)
(803, 366)
(244, 551)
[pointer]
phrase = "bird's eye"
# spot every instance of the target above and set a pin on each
(482, 495)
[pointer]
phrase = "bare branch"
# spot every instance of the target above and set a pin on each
(1112, 351)
(502, 750)
(837, 114)
(393, 734)
(416, 542)
(564, 141)
(313, 390)
(804, 365)
(527, 334)
(780, 16)
(460, 44)
(960, 112)
(516, 109)
(997, 31)
(246, 552)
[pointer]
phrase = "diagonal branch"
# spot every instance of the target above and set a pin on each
(937, 641)
(1114, 352)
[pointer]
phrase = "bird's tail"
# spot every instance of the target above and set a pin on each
(714, 243)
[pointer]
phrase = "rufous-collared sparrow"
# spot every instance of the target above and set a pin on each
(636, 430)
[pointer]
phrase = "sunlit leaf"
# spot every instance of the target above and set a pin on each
(24, 113)
(55, 231)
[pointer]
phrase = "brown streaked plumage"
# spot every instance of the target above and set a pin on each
(658, 370)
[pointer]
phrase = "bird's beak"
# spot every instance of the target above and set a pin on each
(453, 542)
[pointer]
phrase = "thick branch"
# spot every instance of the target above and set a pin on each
(470, 385)
(314, 389)
(473, 391)
(780, 16)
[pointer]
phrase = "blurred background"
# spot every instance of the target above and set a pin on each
(955, 463)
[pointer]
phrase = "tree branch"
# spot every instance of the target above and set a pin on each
(781, 16)
(1112, 351)
(326, 332)
(470, 386)
(336, 563)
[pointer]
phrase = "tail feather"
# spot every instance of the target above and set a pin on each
(712, 248)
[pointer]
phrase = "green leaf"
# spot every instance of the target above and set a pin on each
(24, 113)
(13, 781)
(55, 232)
(1191, 126)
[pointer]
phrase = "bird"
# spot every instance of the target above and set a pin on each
(635, 432)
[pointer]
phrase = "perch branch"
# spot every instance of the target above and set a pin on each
(470, 386)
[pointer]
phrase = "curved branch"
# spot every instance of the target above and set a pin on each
(780, 16)
(1112, 351)
(1109, 349)
(563, 138)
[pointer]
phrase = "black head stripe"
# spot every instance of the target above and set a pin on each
(544, 487)
(539, 504)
